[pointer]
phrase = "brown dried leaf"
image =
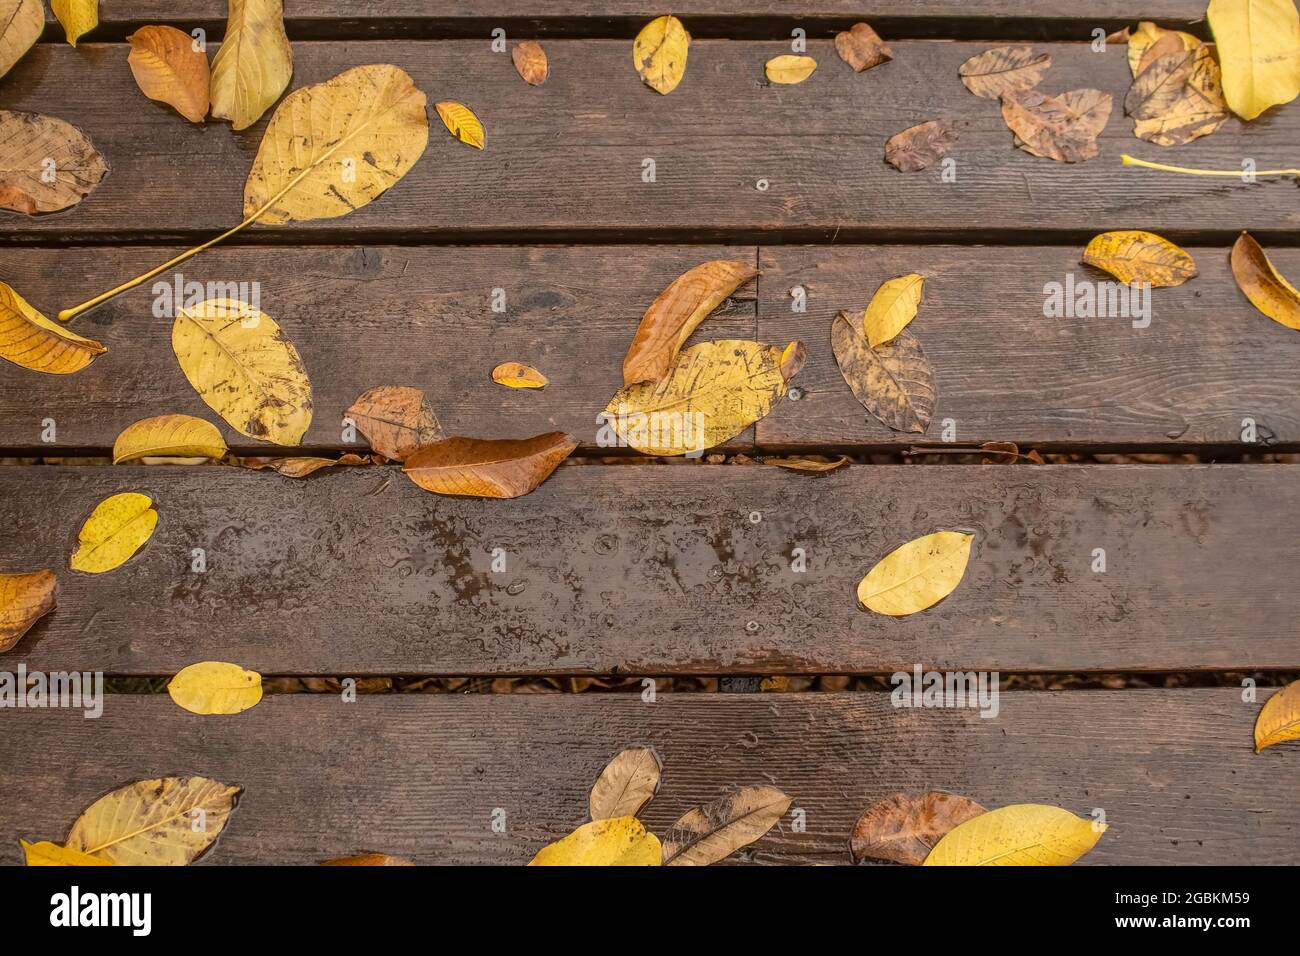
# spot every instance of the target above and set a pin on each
(713, 831)
(24, 600)
(299, 467)
(1179, 98)
(1008, 453)
(1262, 284)
(21, 23)
(808, 464)
(904, 828)
(1064, 128)
(168, 69)
(920, 147)
(1002, 70)
(488, 468)
(530, 61)
(626, 785)
(395, 419)
(368, 859)
(676, 313)
(29, 142)
(894, 382)
(861, 48)
(1160, 85)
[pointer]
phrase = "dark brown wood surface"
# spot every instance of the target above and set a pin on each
(362, 317)
(421, 776)
(564, 160)
(1006, 372)
(658, 569)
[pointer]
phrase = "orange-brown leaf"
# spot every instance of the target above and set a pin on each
(488, 468)
(24, 599)
(920, 147)
(861, 47)
(1064, 128)
(395, 419)
(530, 60)
(905, 827)
(167, 68)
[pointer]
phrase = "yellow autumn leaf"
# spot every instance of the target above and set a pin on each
(117, 528)
(254, 64)
(241, 364)
(45, 853)
(789, 69)
(618, 841)
(30, 340)
(1133, 255)
(461, 122)
(1024, 834)
(1265, 287)
(916, 575)
(892, 308)
(515, 375)
(155, 822)
(1259, 50)
(659, 53)
(711, 393)
(1279, 718)
(179, 436)
(21, 24)
(214, 687)
(78, 17)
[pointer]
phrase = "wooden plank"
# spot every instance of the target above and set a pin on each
(422, 776)
(1006, 372)
(362, 317)
(652, 569)
(565, 160)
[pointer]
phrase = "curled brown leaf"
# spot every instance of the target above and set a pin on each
(488, 468)
(920, 147)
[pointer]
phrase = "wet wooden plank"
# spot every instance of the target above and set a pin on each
(654, 569)
(362, 317)
(423, 776)
(565, 160)
(1206, 362)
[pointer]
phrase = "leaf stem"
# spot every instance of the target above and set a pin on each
(1128, 160)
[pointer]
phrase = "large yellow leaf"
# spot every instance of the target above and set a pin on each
(32, 341)
(789, 69)
(215, 687)
(165, 822)
(1263, 285)
(1132, 255)
(1259, 47)
(177, 436)
(21, 23)
(892, 308)
(254, 64)
(1279, 718)
(659, 53)
(78, 17)
(117, 528)
(461, 122)
(167, 68)
(1024, 834)
(713, 831)
(620, 841)
(45, 853)
(712, 392)
(626, 784)
(24, 600)
(916, 575)
(333, 147)
(241, 364)
(29, 143)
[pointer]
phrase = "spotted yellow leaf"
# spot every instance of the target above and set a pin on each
(461, 122)
(916, 575)
(78, 17)
(255, 62)
(30, 340)
(1132, 255)
(45, 853)
(117, 528)
(1024, 834)
(1258, 44)
(178, 436)
(789, 69)
(214, 687)
(659, 53)
(618, 841)
(515, 375)
(892, 308)
(1279, 718)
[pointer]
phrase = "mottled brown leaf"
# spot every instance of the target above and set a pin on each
(45, 164)
(626, 785)
(488, 468)
(1178, 97)
(1064, 128)
(713, 831)
(24, 600)
(530, 60)
(808, 464)
(861, 48)
(395, 419)
(904, 828)
(894, 381)
(920, 147)
(1002, 70)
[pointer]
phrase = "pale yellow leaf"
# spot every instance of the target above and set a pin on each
(154, 822)
(1265, 287)
(241, 364)
(515, 375)
(117, 528)
(168, 68)
(1279, 718)
(1259, 49)
(21, 24)
(24, 600)
(892, 308)
(78, 17)
(789, 69)
(214, 687)
(51, 854)
(1024, 834)
(626, 784)
(659, 53)
(713, 831)
(461, 122)
(30, 340)
(254, 64)
(335, 146)
(1132, 255)
(179, 436)
(620, 841)
(916, 575)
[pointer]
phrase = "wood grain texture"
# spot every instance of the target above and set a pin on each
(420, 776)
(363, 317)
(1006, 372)
(667, 569)
(565, 159)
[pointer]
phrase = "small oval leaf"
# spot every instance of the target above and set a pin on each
(117, 528)
(214, 687)
(916, 575)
